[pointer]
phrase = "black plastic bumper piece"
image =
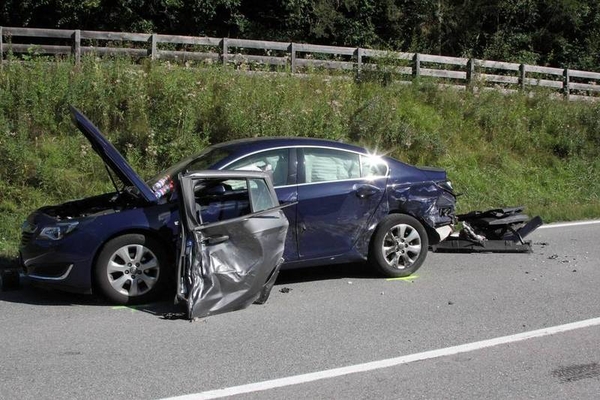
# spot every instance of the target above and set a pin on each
(458, 245)
(494, 231)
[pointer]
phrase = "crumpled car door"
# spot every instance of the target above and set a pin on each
(231, 243)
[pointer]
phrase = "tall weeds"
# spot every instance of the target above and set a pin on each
(499, 150)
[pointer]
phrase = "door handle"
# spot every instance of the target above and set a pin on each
(212, 240)
(366, 190)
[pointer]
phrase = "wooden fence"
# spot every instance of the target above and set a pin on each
(300, 57)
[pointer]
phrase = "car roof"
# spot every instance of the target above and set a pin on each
(262, 143)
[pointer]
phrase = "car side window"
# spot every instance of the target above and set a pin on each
(260, 195)
(274, 161)
(322, 165)
(220, 200)
(372, 166)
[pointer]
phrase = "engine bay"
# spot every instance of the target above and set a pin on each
(103, 204)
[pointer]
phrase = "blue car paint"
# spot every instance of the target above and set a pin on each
(289, 194)
(326, 227)
(332, 213)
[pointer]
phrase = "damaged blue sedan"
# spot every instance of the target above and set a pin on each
(343, 204)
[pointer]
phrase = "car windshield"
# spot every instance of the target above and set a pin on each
(198, 162)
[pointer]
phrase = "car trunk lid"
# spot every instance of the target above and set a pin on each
(433, 173)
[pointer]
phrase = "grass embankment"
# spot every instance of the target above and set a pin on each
(499, 150)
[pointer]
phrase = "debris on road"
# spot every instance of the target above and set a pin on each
(285, 290)
(172, 315)
(499, 230)
(180, 315)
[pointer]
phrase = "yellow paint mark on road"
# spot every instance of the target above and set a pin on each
(404, 278)
(132, 308)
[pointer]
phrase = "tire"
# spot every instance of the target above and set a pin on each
(399, 246)
(131, 269)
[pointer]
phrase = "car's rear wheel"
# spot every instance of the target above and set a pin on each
(399, 246)
(131, 269)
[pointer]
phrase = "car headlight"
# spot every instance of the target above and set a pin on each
(58, 231)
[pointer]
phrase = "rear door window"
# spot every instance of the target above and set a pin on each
(326, 165)
(372, 166)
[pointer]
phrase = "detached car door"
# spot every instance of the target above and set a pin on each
(231, 242)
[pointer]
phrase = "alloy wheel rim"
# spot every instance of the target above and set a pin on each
(133, 270)
(401, 246)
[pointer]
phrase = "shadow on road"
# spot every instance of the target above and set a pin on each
(32, 295)
(327, 272)
(28, 293)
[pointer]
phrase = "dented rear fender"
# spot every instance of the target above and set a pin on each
(429, 202)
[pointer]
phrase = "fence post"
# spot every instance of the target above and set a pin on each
(470, 73)
(566, 83)
(359, 55)
(224, 48)
(522, 72)
(1, 46)
(293, 57)
(416, 65)
(76, 48)
(153, 47)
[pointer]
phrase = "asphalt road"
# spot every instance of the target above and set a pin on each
(55, 345)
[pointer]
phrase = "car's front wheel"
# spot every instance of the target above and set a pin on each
(399, 246)
(131, 269)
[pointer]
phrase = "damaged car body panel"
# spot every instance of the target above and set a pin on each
(339, 192)
(231, 241)
(427, 201)
(426, 194)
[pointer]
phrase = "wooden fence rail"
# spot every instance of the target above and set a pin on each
(462, 72)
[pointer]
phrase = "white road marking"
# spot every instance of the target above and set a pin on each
(390, 362)
(567, 224)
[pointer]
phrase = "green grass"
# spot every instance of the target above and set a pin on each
(499, 150)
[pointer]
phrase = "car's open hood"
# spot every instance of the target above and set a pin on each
(111, 157)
